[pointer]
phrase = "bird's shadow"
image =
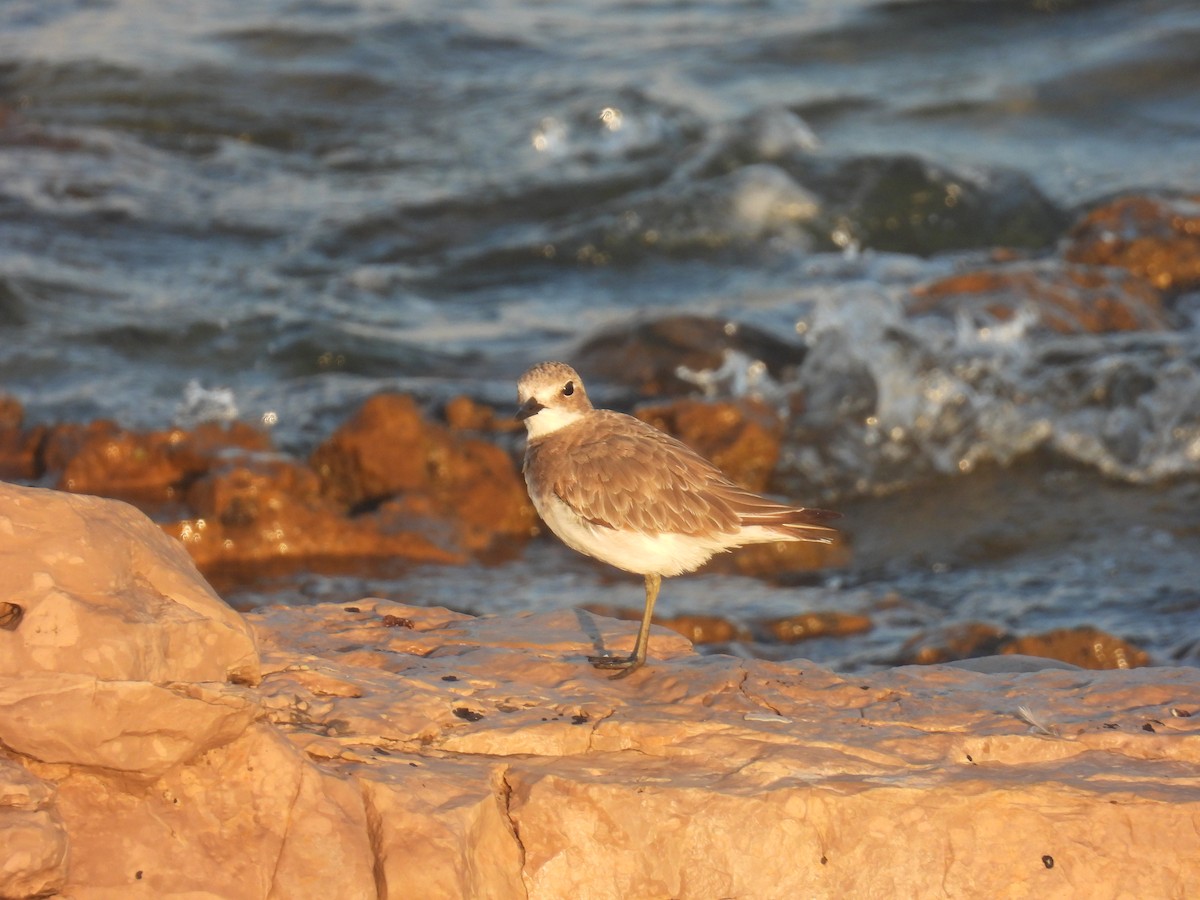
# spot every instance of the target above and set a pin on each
(587, 624)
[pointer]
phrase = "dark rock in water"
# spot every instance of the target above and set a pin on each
(13, 304)
(1155, 238)
(646, 355)
(910, 205)
(1064, 298)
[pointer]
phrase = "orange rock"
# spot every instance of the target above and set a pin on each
(782, 559)
(1155, 238)
(825, 623)
(150, 467)
(701, 629)
(464, 414)
(387, 451)
(1067, 299)
(1087, 647)
(272, 510)
(741, 439)
(697, 628)
(383, 449)
(19, 449)
(64, 440)
(206, 828)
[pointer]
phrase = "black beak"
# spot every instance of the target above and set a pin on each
(529, 408)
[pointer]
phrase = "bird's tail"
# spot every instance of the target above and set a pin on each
(797, 523)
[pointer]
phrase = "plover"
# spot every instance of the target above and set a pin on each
(621, 491)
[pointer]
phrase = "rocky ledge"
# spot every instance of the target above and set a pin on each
(153, 743)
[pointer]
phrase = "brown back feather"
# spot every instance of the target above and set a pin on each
(617, 471)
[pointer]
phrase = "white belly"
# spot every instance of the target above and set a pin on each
(632, 551)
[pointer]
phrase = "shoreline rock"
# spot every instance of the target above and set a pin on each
(393, 750)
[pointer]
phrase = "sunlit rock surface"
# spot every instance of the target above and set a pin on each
(401, 751)
(102, 592)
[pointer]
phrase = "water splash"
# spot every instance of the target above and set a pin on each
(893, 399)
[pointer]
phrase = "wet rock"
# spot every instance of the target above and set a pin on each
(273, 510)
(19, 448)
(1155, 238)
(741, 439)
(146, 467)
(744, 213)
(388, 452)
(702, 629)
(783, 560)
(646, 356)
(960, 641)
(464, 414)
(64, 440)
(1067, 299)
(1086, 647)
(697, 628)
(824, 623)
(911, 205)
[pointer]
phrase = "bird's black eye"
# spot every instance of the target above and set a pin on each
(568, 389)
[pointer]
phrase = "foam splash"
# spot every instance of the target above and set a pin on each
(891, 399)
(200, 404)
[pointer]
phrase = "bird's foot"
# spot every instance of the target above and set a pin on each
(624, 664)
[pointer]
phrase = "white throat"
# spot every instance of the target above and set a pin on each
(550, 419)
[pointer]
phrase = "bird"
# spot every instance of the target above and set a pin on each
(619, 490)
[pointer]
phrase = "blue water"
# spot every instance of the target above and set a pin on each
(298, 204)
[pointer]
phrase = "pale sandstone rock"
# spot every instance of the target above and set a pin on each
(410, 752)
(33, 841)
(116, 699)
(252, 819)
(134, 727)
(708, 777)
(104, 592)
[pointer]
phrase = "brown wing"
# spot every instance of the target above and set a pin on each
(618, 471)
